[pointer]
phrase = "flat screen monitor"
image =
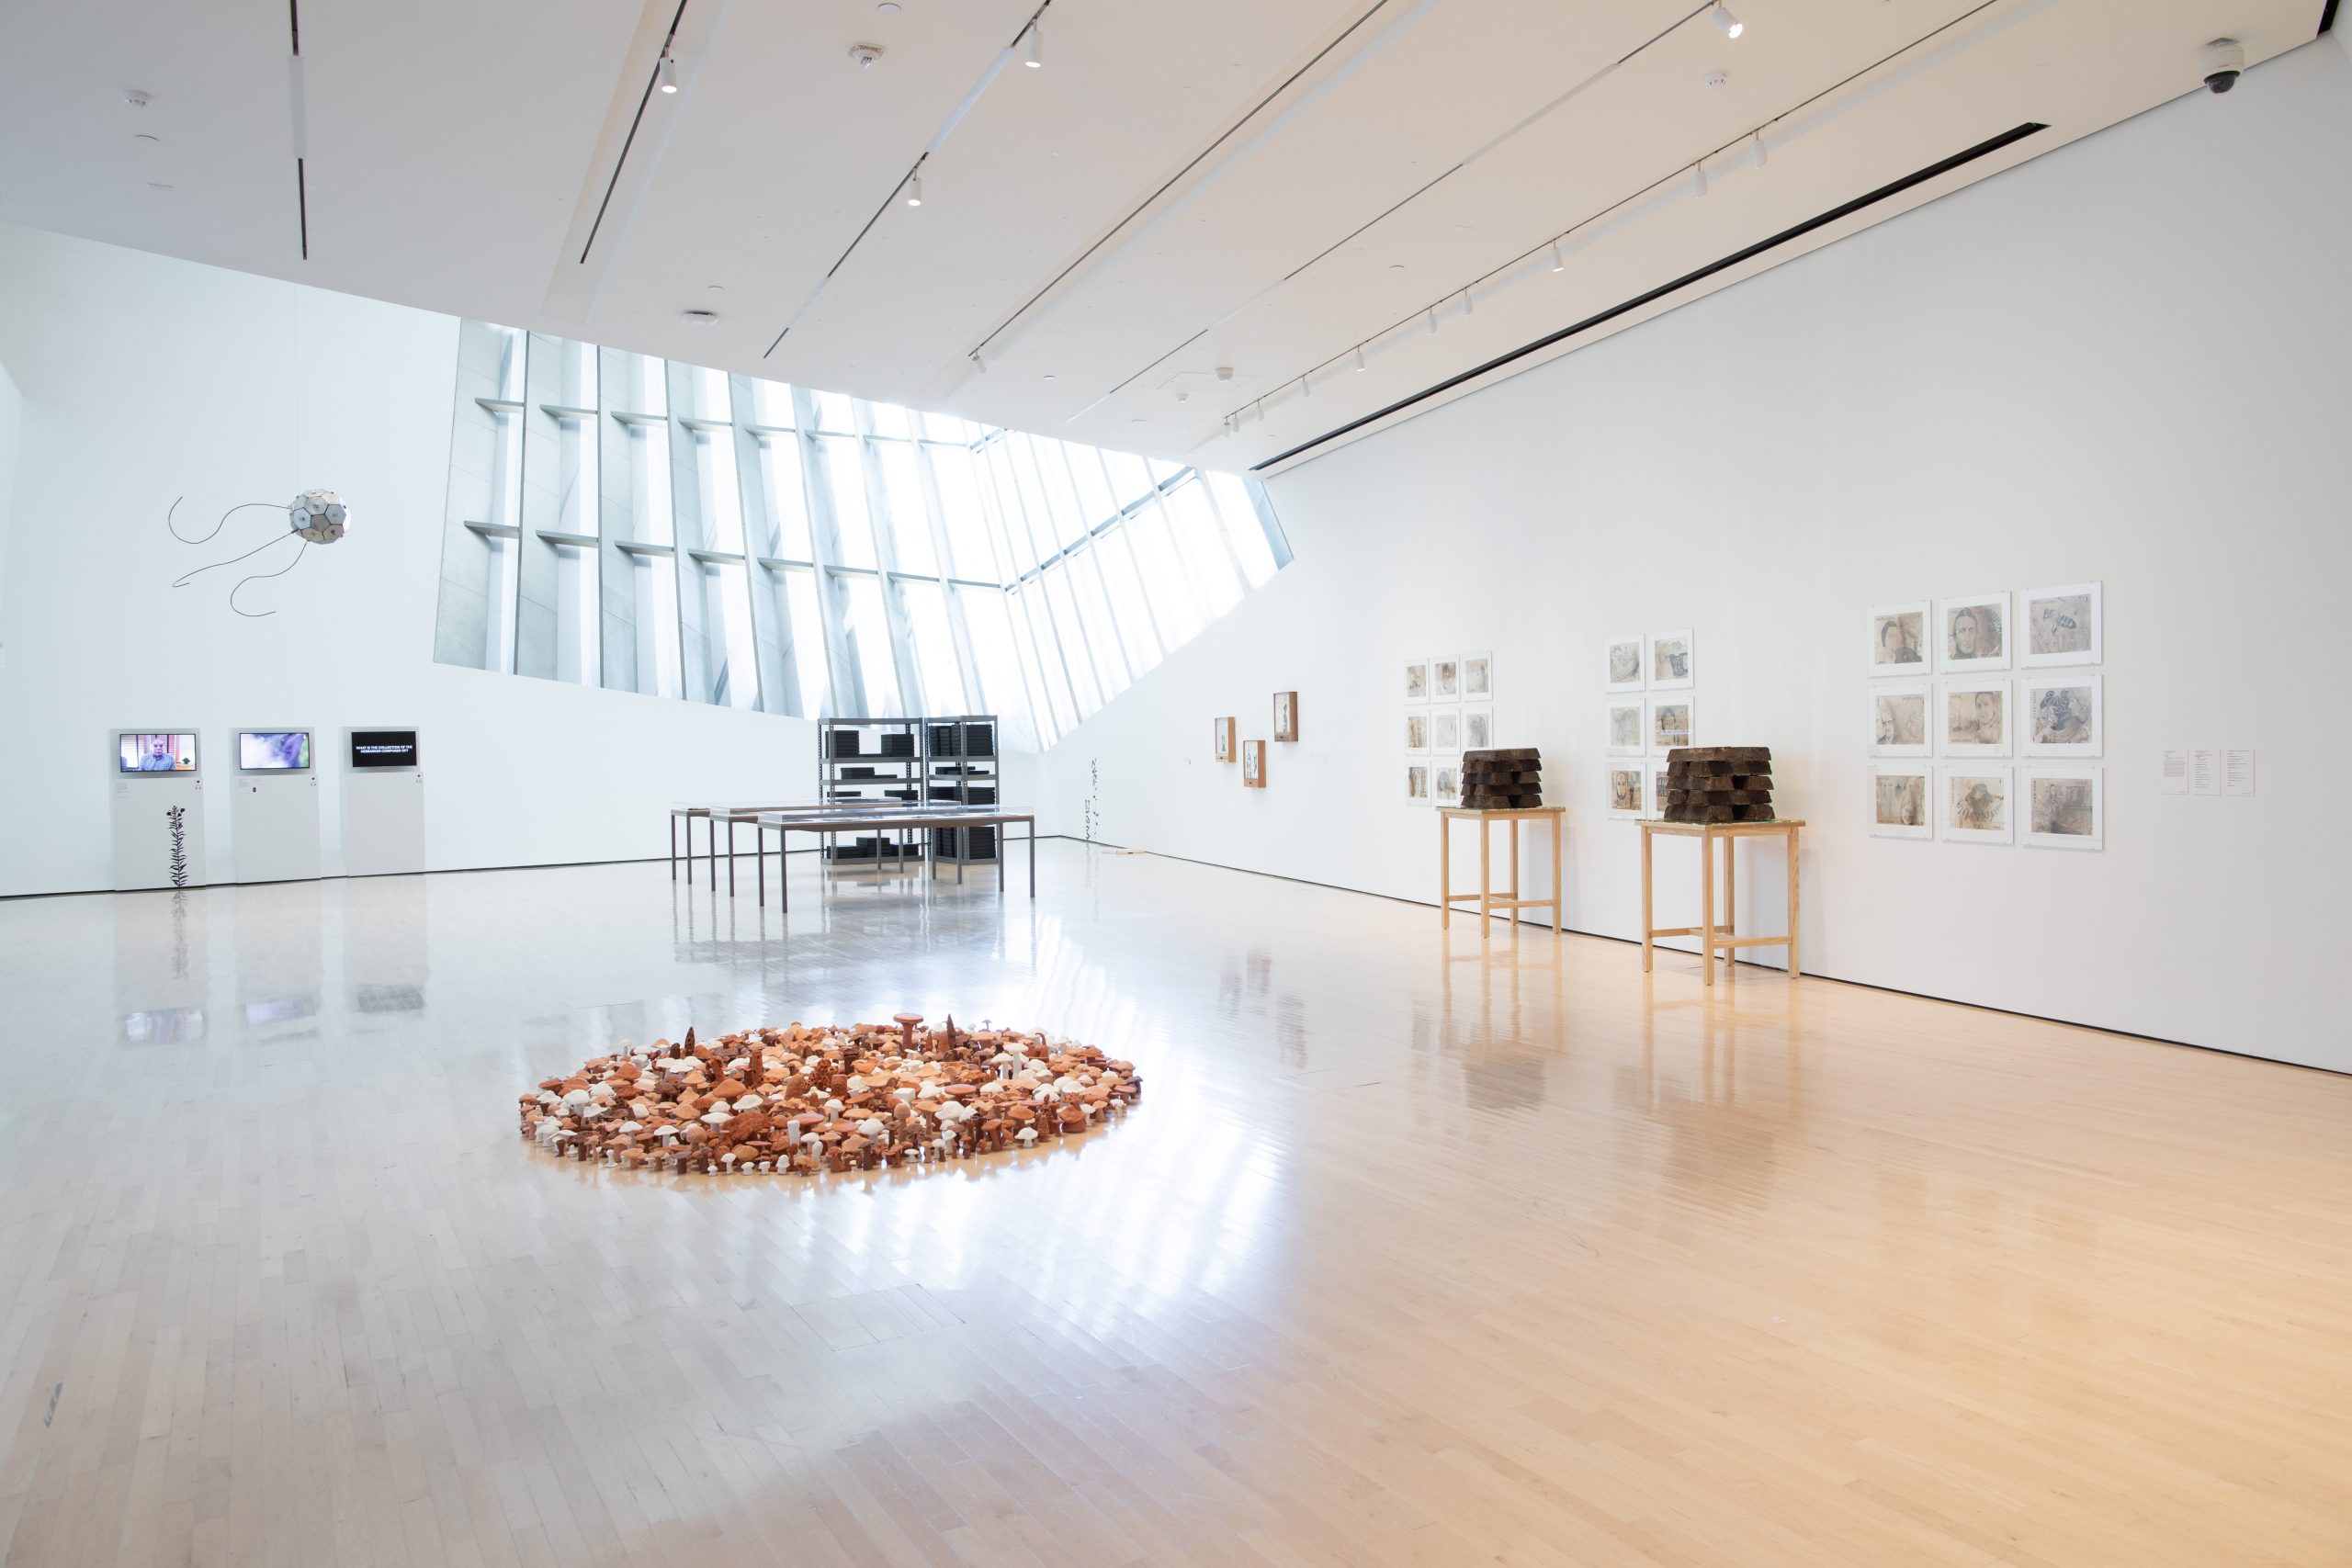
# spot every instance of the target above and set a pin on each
(147, 752)
(273, 750)
(383, 747)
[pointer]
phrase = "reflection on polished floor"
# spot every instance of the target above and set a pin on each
(1419, 1251)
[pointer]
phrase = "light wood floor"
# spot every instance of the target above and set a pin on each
(1418, 1252)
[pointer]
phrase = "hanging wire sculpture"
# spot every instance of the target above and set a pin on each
(315, 517)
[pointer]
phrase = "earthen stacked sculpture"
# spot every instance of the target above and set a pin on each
(1503, 778)
(805, 1099)
(1719, 783)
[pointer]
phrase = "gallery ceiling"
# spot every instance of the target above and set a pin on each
(1174, 235)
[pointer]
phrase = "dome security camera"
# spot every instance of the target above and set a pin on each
(2223, 63)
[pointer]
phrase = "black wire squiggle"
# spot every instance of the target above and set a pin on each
(216, 527)
(256, 577)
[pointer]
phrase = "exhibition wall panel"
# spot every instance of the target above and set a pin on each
(144, 378)
(2125, 362)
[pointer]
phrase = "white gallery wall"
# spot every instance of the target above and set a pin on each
(144, 378)
(2128, 361)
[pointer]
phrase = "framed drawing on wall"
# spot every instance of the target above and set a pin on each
(2060, 625)
(1899, 639)
(1447, 775)
(1417, 781)
(1976, 718)
(2064, 809)
(1625, 722)
(1657, 796)
(1972, 633)
(1253, 764)
(1899, 719)
(1445, 729)
(1625, 661)
(1286, 715)
(1669, 662)
(1669, 724)
(2060, 715)
(1445, 679)
(1976, 803)
(1898, 801)
(1478, 728)
(1225, 753)
(1627, 786)
(1417, 680)
(1478, 675)
(1417, 731)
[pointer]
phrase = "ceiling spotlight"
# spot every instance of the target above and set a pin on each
(698, 318)
(1699, 179)
(1036, 46)
(1720, 14)
(1303, 392)
(1757, 156)
(1360, 364)
(1432, 321)
(665, 76)
(978, 364)
(914, 189)
(1559, 262)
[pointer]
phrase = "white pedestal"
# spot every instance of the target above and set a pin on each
(383, 821)
(158, 830)
(274, 826)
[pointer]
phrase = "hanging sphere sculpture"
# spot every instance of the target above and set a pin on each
(317, 516)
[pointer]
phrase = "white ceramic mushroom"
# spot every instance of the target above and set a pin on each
(1027, 1136)
(749, 1102)
(872, 1127)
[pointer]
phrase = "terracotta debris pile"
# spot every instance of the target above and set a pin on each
(810, 1099)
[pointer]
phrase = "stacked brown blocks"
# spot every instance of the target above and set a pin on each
(1503, 779)
(1719, 783)
(803, 1100)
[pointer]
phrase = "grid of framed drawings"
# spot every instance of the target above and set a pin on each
(1449, 709)
(1649, 712)
(1947, 718)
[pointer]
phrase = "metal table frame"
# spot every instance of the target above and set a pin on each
(787, 820)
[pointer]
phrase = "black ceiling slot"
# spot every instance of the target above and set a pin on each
(2326, 16)
(1983, 149)
(631, 140)
(302, 207)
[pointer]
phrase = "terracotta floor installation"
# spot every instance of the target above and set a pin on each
(806, 1100)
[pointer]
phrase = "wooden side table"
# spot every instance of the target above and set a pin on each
(1486, 897)
(1713, 937)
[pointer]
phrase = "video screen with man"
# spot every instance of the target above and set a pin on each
(157, 753)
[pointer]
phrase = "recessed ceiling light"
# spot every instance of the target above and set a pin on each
(698, 318)
(1396, 267)
(143, 136)
(718, 289)
(1049, 375)
(888, 7)
(158, 185)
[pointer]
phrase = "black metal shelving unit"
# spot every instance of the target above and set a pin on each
(960, 769)
(873, 761)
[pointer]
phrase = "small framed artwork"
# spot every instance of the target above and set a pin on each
(1899, 801)
(1478, 676)
(1669, 662)
(1626, 717)
(1657, 789)
(2061, 715)
(1899, 639)
(1417, 731)
(2063, 808)
(1669, 724)
(1478, 728)
(1976, 718)
(1445, 730)
(1225, 752)
(1973, 633)
(2060, 625)
(1417, 680)
(1253, 764)
(1626, 787)
(1976, 803)
(1447, 782)
(1624, 660)
(1445, 679)
(1899, 719)
(1417, 781)
(1286, 715)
